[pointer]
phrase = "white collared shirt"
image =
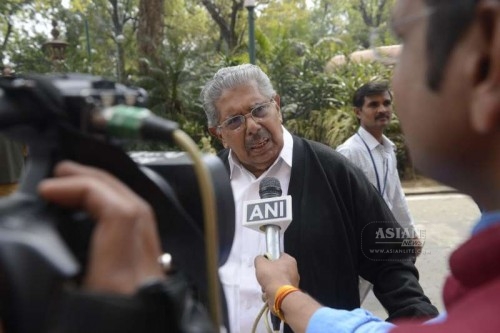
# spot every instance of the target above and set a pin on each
(389, 184)
(243, 293)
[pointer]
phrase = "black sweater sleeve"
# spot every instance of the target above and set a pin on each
(344, 228)
(386, 255)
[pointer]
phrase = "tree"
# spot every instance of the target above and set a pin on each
(350, 20)
(286, 20)
(372, 11)
(6, 12)
(22, 38)
(226, 19)
(123, 15)
(111, 26)
(182, 43)
(150, 31)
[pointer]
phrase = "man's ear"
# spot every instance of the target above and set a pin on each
(215, 132)
(277, 99)
(357, 111)
(485, 106)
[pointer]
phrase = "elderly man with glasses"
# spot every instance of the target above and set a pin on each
(337, 213)
(446, 81)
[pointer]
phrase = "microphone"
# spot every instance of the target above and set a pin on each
(270, 187)
(271, 214)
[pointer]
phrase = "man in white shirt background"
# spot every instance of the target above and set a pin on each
(374, 153)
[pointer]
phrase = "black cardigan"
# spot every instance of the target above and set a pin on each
(336, 214)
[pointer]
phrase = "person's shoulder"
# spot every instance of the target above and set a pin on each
(338, 170)
(316, 146)
(350, 145)
(325, 153)
(336, 166)
(349, 141)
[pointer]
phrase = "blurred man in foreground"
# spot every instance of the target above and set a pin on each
(447, 82)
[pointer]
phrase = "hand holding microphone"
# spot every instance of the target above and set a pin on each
(271, 275)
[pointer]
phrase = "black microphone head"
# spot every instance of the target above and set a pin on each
(269, 187)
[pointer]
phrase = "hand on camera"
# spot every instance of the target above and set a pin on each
(124, 245)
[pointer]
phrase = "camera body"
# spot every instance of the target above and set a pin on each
(44, 247)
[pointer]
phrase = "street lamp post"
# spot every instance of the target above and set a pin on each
(55, 48)
(250, 6)
(89, 53)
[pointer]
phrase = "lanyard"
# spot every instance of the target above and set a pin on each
(386, 168)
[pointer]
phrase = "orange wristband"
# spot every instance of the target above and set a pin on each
(282, 292)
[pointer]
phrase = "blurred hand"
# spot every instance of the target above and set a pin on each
(273, 274)
(125, 245)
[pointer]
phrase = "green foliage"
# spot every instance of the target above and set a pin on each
(325, 106)
(286, 19)
(353, 75)
(295, 39)
(174, 85)
(317, 104)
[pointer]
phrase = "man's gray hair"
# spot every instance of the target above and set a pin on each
(231, 77)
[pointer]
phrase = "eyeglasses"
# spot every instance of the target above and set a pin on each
(259, 113)
(385, 45)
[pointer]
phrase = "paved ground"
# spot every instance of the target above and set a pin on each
(447, 218)
(421, 185)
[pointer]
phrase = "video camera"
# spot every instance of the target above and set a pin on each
(85, 118)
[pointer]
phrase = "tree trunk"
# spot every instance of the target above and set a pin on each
(227, 25)
(150, 31)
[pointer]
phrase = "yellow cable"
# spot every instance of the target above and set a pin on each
(207, 193)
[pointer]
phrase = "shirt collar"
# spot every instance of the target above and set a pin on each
(372, 142)
(285, 154)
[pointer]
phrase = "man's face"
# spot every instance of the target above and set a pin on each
(376, 112)
(434, 123)
(256, 145)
